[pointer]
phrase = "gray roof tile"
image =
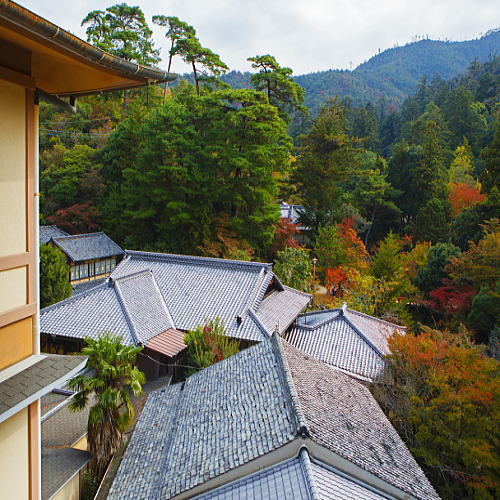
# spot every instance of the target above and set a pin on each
(249, 405)
(150, 293)
(86, 286)
(285, 481)
(48, 232)
(343, 416)
(80, 247)
(279, 309)
(65, 428)
(337, 343)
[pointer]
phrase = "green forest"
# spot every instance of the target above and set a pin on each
(401, 209)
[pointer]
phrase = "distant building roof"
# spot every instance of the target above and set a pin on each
(268, 398)
(80, 247)
(351, 341)
(292, 212)
(48, 232)
(150, 293)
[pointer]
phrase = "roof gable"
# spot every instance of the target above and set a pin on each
(200, 288)
(145, 308)
(343, 416)
(48, 232)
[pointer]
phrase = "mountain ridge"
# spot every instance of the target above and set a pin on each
(392, 74)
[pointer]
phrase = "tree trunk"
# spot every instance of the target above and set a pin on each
(196, 79)
(165, 91)
(103, 440)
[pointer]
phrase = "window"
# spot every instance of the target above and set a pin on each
(84, 270)
(74, 273)
(91, 268)
(100, 268)
(113, 263)
(108, 265)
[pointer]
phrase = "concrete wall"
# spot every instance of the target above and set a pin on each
(12, 169)
(14, 457)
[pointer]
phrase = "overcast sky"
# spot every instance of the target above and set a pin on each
(306, 35)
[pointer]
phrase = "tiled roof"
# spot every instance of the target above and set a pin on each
(48, 232)
(285, 481)
(150, 293)
(136, 291)
(375, 330)
(331, 485)
(351, 341)
(343, 416)
(250, 405)
(80, 247)
(58, 466)
(87, 285)
(38, 379)
(297, 479)
(280, 308)
(224, 416)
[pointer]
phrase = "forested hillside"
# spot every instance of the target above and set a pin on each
(392, 74)
(401, 206)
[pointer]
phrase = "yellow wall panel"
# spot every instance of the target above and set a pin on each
(13, 288)
(12, 169)
(16, 342)
(14, 457)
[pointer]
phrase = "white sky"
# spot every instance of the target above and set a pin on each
(305, 35)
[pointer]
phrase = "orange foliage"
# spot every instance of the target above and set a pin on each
(463, 196)
(447, 409)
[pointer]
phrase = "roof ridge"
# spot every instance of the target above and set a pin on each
(321, 323)
(363, 336)
(134, 274)
(259, 323)
(75, 296)
(123, 307)
(195, 258)
(82, 235)
(353, 311)
(302, 428)
(305, 462)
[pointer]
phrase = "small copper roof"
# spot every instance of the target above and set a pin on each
(170, 342)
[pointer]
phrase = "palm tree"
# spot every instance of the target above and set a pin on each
(112, 381)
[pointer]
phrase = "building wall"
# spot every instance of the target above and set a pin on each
(12, 169)
(70, 491)
(19, 435)
(14, 457)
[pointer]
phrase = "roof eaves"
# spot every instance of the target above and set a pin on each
(49, 32)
